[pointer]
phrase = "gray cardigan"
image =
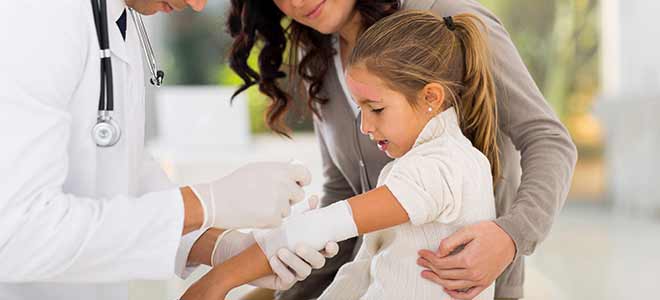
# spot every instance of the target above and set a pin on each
(531, 137)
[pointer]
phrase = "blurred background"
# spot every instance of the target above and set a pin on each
(596, 62)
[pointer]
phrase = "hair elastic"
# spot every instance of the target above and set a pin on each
(449, 21)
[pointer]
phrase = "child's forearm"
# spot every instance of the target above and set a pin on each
(246, 267)
(376, 210)
(243, 268)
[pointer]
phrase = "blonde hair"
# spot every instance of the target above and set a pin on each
(411, 49)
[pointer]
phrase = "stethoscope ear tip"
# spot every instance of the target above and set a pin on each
(158, 80)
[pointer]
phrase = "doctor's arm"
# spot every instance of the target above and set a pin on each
(59, 227)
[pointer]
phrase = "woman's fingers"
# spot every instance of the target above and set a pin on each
(447, 284)
(448, 274)
(448, 262)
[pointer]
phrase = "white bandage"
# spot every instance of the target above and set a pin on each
(314, 228)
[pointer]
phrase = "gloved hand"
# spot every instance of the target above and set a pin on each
(289, 268)
(314, 228)
(257, 195)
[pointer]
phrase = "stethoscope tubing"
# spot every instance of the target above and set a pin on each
(106, 132)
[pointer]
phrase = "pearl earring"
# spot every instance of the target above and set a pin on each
(430, 109)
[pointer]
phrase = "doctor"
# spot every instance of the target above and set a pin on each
(78, 215)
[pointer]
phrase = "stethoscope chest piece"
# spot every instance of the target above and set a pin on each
(106, 132)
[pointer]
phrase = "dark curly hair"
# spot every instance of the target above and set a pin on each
(250, 21)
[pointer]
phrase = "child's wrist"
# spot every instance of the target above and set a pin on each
(223, 282)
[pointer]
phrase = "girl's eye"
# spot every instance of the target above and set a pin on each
(377, 110)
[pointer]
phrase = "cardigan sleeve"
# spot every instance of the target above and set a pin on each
(548, 155)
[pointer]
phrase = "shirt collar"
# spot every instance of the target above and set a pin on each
(115, 9)
(117, 42)
(446, 121)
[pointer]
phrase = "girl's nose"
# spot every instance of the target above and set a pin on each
(365, 126)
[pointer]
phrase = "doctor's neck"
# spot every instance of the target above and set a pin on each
(150, 7)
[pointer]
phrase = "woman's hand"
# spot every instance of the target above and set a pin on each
(465, 273)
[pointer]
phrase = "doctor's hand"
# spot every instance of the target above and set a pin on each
(257, 195)
(289, 267)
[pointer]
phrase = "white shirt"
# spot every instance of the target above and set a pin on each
(78, 217)
(444, 184)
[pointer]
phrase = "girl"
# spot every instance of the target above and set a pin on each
(536, 151)
(427, 99)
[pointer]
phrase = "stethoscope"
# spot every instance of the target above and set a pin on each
(106, 132)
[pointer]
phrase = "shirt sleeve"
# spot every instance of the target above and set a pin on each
(154, 178)
(548, 155)
(428, 189)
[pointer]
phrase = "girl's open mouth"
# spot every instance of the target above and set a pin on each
(382, 145)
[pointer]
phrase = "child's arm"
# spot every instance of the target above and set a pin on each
(246, 267)
(418, 191)
(374, 210)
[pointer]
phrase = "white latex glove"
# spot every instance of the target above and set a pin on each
(257, 195)
(288, 267)
(313, 228)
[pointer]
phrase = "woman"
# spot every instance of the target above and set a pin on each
(321, 36)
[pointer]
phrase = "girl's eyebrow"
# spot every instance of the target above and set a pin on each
(368, 93)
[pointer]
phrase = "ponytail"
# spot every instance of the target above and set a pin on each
(477, 99)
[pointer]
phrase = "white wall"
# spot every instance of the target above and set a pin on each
(630, 103)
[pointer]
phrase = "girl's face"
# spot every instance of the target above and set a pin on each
(387, 116)
(325, 16)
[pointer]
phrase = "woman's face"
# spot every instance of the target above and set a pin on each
(387, 116)
(325, 16)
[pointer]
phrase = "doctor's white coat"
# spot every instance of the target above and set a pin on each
(77, 220)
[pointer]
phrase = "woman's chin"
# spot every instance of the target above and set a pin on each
(325, 28)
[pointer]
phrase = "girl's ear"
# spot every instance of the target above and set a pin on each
(433, 96)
